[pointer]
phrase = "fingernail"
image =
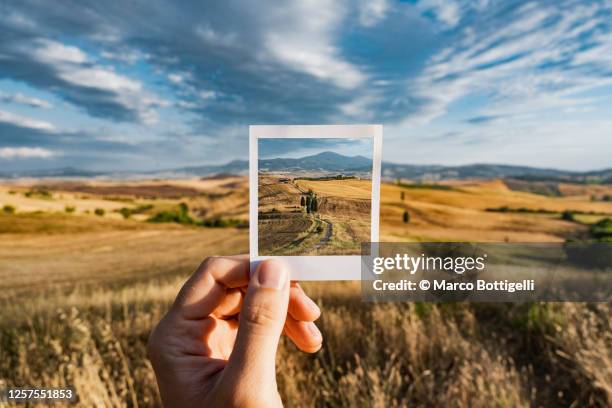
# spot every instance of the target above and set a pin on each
(314, 331)
(272, 275)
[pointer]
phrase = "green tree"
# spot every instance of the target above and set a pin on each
(303, 201)
(308, 199)
(402, 195)
(183, 208)
(406, 217)
(315, 205)
(567, 215)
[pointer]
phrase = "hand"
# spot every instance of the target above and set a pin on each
(217, 345)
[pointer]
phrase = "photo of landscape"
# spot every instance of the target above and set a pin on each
(315, 196)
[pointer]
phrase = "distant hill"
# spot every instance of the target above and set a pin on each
(334, 162)
(234, 167)
(60, 172)
(326, 161)
(488, 171)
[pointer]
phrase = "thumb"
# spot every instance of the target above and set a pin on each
(261, 323)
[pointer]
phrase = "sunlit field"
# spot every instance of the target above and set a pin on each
(86, 270)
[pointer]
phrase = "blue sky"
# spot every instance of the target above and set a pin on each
(152, 85)
(299, 147)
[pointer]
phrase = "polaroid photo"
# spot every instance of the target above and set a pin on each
(314, 197)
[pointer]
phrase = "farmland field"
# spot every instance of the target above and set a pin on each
(80, 292)
(337, 227)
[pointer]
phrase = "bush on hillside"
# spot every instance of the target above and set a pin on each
(8, 209)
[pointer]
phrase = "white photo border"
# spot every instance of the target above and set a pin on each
(325, 267)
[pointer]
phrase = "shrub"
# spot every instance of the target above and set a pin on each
(99, 212)
(171, 216)
(567, 216)
(39, 193)
(223, 223)
(69, 209)
(602, 229)
(8, 209)
(125, 212)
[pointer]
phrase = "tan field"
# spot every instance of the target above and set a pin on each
(79, 294)
(459, 214)
(337, 227)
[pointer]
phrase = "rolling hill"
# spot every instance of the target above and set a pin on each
(325, 161)
(333, 162)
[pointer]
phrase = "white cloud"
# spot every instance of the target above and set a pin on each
(447, 12)
(491, 61)
(175, 78)
(20, 98)
(126, 56)
(54, 52)
(23, 121)
(25, 153)
(72, 66)
(371, 12)
(301, 36)
(207, 94)
(360, 108)
(100, 78)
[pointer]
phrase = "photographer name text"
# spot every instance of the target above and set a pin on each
(442, 285)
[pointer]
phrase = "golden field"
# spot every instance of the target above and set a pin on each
(79, 293)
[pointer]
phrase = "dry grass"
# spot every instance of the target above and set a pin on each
(460, 214)
(358, 189)
(93, 337)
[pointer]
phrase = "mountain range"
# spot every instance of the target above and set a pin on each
(325, 161)
(337, 163)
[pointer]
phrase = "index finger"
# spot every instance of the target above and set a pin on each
(206, 288)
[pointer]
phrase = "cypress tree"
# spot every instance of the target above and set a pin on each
(406, 217)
